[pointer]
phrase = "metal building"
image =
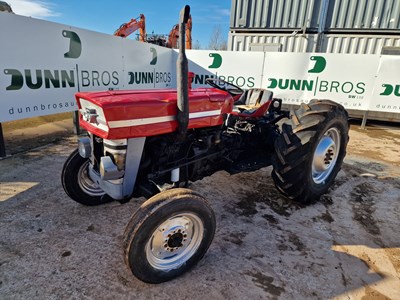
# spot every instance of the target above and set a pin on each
(334, 26)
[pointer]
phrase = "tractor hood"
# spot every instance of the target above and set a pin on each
(139, 113)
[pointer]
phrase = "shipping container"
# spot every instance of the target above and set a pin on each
(340, 26)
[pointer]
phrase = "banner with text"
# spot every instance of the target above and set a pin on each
(386, 96)
(243, 69)
(42, 71)
(299, 77)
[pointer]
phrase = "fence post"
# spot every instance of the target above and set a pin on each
(364, 120)
(77, 129)
(2, 144)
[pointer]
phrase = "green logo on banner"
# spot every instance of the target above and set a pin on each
(75, 46)
(319, 66)
(217, 61)
(389, 90)
(354, 90)
(154, 59)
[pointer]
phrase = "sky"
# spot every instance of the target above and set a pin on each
(107, 16)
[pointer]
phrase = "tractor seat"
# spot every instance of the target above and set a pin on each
(253, 103)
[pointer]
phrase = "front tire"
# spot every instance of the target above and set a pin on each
(310, 150)
(77, 183)
(168, 235)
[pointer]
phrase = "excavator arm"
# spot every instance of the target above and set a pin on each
(173, 37)
(189, 33)
(127, 29)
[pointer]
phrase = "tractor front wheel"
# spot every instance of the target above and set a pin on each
(310, 150)
(77, 183)
(168, 235)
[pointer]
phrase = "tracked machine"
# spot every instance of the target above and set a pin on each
(153, 143)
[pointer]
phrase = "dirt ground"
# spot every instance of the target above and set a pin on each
(25, 134)
(344, 247)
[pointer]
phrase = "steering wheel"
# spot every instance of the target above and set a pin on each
(223, 85)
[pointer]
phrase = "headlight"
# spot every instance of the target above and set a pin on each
(84, 148)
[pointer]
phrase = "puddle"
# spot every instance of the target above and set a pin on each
(363, 207)
(266, 283)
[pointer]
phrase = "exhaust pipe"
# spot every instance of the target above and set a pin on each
(182, 75)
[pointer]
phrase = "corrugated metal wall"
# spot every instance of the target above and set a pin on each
(364, 14)
(289, 43)
(341, 14)
(330, 43)
(365, 44)
(274, 13)
(344, 26)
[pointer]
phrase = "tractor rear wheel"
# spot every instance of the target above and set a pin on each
(310, 150)
(168, 235)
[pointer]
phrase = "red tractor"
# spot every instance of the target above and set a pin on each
(152, 143)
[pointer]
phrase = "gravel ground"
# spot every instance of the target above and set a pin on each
(344, 247)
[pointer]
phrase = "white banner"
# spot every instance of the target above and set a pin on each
(299, 77)
(147, 66)
(386, 96)
(243, 69)
(44, 64)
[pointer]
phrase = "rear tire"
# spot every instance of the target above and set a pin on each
(77, 183)
(168, 235)
(310, 150)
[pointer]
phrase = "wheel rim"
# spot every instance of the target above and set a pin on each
(174, 242)
(325, 155)
(86, 183)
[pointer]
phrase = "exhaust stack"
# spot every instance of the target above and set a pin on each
(182, 74)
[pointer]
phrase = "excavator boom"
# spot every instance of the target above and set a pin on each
(127, 29)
